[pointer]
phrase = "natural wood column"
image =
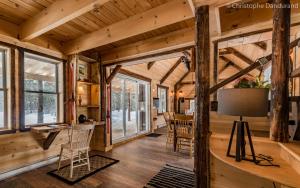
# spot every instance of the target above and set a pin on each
(202, 161)
(280, 74)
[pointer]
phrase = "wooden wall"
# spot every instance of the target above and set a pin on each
(24, 148)
(21, 149)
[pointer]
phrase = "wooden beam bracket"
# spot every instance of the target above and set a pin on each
(170, 71)
(113, 74)
(150, 64)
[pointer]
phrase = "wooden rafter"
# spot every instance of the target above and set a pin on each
(240, 55)
(59, 13)
(256, 64)
(170, 71)
(225, 67)
(262, 45)
(152, 19)
(224, 52)
(113, 74)
(231, 63)
(150, 64)
(159, 44)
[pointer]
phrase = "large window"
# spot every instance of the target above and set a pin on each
(4, 91)
(42, 90)
(162, 94)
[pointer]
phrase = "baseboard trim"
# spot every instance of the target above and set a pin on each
(21, 170)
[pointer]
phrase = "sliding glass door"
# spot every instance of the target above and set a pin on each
(130, 107)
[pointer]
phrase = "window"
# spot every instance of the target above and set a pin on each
(42, 90)
(5, 123)
(162, 94)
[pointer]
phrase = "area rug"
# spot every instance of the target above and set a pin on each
(97, 163)
(172, 177)
(154, 135)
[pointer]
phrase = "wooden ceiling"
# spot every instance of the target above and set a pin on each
(103, 25)
(102, 16)
(18, 11)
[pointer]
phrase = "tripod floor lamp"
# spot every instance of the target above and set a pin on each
(249, 102)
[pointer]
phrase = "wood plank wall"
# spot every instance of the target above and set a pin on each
(24, 148)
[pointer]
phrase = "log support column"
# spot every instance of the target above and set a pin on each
(280, 72)
(202, 155)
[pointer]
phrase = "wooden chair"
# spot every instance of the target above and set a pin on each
(184, 125)
(170, 129)
(77, 149)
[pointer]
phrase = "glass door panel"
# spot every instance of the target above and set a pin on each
(117, 108)
(143, 110)
(131, 109)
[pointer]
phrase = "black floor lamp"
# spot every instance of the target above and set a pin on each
(249, 102)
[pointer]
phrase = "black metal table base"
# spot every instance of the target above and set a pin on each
(240, 153)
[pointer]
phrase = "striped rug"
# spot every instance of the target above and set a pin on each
(172, 177)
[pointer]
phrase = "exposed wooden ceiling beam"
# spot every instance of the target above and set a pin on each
(216, 3)
(230, 63)
(113, 74)
(170, 71)
(150, 64)
(225, 67)
(224, 52)
(9, 33)
(262, 45)
(58, 13)
(152, 19)
(241, 56)
(167, 42)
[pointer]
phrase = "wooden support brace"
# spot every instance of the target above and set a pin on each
(170, 71)
(113, 74)
(260, 62)
(150, 64)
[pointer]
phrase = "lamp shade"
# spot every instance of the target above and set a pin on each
(251, 102)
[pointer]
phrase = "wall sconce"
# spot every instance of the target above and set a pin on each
(180, 93)
(80, 93)
(172, 93)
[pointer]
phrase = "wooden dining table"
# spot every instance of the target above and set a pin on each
(172, 121)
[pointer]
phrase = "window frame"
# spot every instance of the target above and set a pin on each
(167, 97)
(4, 90)
(8, 88)
(59, 94)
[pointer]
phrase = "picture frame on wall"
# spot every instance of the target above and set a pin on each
(82, 72)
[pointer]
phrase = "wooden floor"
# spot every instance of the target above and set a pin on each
(139, 161)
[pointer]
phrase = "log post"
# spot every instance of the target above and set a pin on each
(202, 155)
(280, 72)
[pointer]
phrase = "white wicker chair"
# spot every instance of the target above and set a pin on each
(77, 149)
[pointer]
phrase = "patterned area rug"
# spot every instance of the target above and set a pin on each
(97, 162)
(172, 177)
